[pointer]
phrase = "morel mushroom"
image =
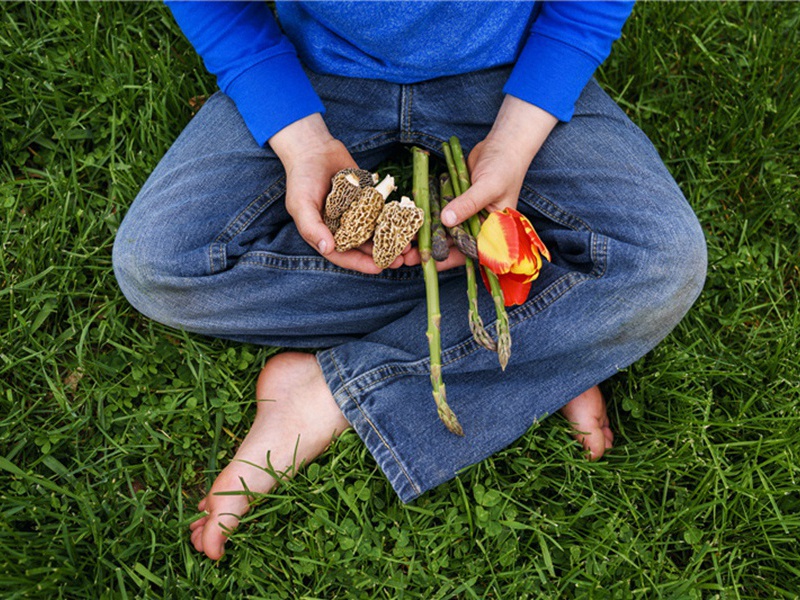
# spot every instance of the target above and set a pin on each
(397, 224)
(365, 178)
(358, 222)
(332, 224)
(346, 188)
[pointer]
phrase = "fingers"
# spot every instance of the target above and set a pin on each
(311, 227)
(488, 191)
(197, 539)
(198, 523)
(355, 260)
(463, 207)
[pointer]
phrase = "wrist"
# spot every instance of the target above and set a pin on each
(521, 127)
(300, 137)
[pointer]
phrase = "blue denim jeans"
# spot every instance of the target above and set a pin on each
(208, 246)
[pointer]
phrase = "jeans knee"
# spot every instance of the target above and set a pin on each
(130, 270)
(141, 275)
(676, 271)
(690, 263)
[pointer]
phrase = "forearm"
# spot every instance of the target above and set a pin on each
(568, 41)
(521, 128)
(255, 64)
(302, 137)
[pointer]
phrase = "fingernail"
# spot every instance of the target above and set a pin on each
(448, 217)
(323, 246)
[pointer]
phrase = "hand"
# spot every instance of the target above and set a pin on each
(311, 156)
(499, 163)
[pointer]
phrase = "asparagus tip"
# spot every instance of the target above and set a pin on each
(503, 349)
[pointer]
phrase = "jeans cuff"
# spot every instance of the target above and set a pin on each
(348, 395)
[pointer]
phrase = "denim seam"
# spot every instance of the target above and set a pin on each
(435, 147)
(600, 255)
(535, 307)
(369, 144)
(216, 255)
(369, 421)
(217, 250)
(366, 381)
(409, 108)
(235, 227)
(556, 214)
(262, 259)
(414, 368)
(405, 111)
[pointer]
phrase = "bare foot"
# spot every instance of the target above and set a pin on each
(296, 419)
(587, 414)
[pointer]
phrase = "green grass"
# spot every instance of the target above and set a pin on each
(112, 426)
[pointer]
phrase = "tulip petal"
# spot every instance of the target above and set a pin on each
(509, 246)
(498, 242)
(530, 233)
(515, 289)
(529, 262)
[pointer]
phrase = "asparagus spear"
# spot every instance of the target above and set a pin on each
(475, 322)
(501, 325)
(439, 248)
(464, 240)
(422, 200)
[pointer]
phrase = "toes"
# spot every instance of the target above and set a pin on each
(198, 523)
(215, 536)
(609, 435)
(202, 504)
(594, 442)
(197, 539)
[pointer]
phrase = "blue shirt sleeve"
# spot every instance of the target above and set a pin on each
(255, 64)
(567, 42)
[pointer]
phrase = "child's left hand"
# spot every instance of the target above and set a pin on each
(499, 163)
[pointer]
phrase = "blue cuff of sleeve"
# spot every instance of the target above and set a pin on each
(550, 75)
(273, 94)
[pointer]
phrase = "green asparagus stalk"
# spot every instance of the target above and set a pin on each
(422, 200)
(502, 326)
(439, 247)
(464, 240)
(451, 168)
(460, 165)
(475, 322)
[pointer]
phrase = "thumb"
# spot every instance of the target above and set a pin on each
(311, 227)
(464, 206)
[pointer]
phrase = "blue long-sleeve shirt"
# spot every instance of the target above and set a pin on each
(555, 48)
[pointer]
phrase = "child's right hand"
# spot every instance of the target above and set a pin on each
(311, 156)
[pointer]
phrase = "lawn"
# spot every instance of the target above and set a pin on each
(112, 427)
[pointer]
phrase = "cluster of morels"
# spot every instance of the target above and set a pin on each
(356, 210)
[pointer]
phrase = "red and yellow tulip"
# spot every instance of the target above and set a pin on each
(509, 246)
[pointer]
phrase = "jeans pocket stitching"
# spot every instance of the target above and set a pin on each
(217, 257)
(245, 217)
(553, 292)
(553, 211)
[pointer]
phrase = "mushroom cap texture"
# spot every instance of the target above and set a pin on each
(358, 222)
(343, 193)
(397, 224)
(365, 178)
(332, 224)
